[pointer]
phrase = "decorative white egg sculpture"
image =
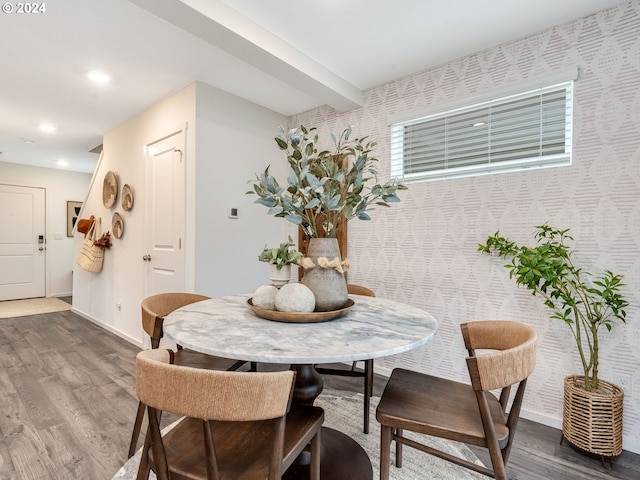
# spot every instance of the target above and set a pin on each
(295, 297)
(265, 297)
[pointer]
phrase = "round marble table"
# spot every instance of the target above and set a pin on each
(373, 328)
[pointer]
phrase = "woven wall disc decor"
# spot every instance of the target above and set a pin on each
(109, 189)
(127, 197)
(117, 225)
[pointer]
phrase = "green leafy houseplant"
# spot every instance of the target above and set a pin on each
(280, 256)
(547, 269)
(324, 190)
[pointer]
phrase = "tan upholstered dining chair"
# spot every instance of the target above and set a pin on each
(154, 309)
(457, 411)
(366, 374)
(236, 425)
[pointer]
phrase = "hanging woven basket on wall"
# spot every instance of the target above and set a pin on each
(592, 420)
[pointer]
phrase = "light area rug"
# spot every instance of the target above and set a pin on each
(32, 306)
(343, 411)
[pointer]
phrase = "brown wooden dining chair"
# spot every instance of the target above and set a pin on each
(236, 425)
(458, 411)
(366, 373)
(154, 309)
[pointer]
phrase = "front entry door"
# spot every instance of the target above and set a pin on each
(22, 242)
(165, 214)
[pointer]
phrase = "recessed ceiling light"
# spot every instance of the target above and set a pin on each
(62, 163)
(98, 77)
(28, 141)
(45, 127)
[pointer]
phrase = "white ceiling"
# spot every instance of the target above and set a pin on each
(287, 55)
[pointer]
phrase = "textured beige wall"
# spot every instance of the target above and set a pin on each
(423, 251)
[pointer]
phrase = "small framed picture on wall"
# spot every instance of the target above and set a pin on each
(73, 210)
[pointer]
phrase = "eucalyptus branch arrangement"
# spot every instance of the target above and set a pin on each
(281, 255)
(324, 189)
(547, 269)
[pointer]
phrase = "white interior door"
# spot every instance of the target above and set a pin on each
(22, 242)
(165, 214)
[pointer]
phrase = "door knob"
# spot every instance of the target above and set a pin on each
(147, 258)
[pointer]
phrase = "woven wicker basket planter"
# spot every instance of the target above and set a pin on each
(592, 420)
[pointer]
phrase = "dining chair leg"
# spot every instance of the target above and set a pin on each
(157, 447)
(497, 462)
(314, 468)
(385, 451)
(137, 425)
(398, 432)
(367, 406)
(368, 391)
(144, 469)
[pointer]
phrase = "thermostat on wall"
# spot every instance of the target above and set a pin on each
(232, 212)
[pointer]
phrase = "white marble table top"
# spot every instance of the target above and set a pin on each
(227, 327)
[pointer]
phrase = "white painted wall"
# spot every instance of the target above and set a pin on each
(223, 132)
(60, 186)
(234, 141)
(423, 251)
(122, 278)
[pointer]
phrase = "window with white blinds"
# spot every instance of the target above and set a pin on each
(531, 129)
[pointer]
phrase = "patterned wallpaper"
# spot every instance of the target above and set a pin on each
(423, 250)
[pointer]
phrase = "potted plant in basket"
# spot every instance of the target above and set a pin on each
(280, 259)
(586, 303)
(323, 191)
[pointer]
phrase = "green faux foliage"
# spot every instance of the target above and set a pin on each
(580, 299)
(321, 195)
(280, 256)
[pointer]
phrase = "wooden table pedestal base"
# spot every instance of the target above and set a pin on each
(341, 458)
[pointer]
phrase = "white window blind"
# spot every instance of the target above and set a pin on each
(531, 129)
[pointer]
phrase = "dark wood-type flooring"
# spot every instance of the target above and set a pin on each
(67, 391)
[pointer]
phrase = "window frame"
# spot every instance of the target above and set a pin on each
(398, 134)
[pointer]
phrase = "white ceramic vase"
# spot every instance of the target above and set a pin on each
(280, 277)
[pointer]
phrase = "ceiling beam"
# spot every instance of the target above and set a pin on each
(226, 29)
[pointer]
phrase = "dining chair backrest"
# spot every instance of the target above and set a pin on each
(211, 394)
(156, 307)
(512, 356)
(502, 355)
(234, 424)
(359, 290)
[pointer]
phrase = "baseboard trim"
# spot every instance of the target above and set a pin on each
(109, 328)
